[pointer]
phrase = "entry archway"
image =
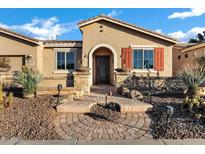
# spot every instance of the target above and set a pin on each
(102, 62)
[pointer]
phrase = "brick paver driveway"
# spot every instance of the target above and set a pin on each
(84, 127)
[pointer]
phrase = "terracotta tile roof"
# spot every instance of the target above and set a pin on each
(101, 17)
(61, 41)
(194, 46)
(21, 36)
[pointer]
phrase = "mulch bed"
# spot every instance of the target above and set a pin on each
(29, 119)
(182, 125)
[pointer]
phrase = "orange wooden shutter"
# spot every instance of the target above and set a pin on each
(127, 58)
(159, 59)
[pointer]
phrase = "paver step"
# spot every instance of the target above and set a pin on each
(85, 103)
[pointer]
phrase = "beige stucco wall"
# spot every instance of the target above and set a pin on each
(52, 77)
(16, 47)
(118, 37)
(178, 64)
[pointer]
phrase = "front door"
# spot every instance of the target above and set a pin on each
(102, 69)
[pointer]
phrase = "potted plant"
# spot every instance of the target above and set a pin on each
(122, 70)
(29, 80)
(4, 64)
(82, 68)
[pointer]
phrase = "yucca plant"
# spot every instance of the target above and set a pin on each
(192, 77)
(28, 79)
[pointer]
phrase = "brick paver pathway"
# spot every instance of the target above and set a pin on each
(84, 127)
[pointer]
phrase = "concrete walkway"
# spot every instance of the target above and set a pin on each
(17, 141)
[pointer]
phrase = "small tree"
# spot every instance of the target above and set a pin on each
(201, 62)
(193, 78)
(200, 37)
(28, 79)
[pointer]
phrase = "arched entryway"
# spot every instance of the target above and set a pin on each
(102, 61)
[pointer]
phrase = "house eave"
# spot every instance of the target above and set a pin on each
(13, 34)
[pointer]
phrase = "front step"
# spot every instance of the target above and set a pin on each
(85, 103)
(102, 89)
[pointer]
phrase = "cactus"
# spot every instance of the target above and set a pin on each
(195, 102)
(11, 98)
(198, 116)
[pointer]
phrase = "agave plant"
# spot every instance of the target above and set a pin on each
(28, 79)
(192, 77)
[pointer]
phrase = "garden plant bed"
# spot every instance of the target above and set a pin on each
(102, 112)
(29, 119)
(182, 125)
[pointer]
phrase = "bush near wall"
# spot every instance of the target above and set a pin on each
(167, 85)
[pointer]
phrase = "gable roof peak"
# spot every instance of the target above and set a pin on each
(128, 25)
(18, 35)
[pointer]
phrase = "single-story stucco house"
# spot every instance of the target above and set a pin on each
(186, 54)
(107, 44)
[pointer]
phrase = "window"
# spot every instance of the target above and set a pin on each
(186, 55)
(179, 57)
(143, 58)
(65, 60)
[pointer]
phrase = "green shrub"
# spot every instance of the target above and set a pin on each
(28, 79)
(193, 78)
(201, 62)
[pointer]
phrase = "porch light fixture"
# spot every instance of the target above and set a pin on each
(149, 80)
(59, 88)
(169, 113)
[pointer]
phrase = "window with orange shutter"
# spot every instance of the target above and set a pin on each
(127, 58)
(143, 58)
(159, 59)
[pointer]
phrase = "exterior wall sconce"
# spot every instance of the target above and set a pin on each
(28, 57)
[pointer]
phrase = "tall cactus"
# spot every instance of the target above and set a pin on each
(11, 98)
(1, 97)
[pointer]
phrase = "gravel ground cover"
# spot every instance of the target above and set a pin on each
(182, 125)
(29, 119)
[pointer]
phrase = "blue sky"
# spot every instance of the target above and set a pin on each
(45, 23)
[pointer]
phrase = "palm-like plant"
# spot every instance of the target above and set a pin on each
(192, 78)
(28, 79)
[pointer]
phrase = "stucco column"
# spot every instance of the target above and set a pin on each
(39, 59)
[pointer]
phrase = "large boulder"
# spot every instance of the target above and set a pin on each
(135, 94)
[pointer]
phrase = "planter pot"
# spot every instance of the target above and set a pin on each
(83, 69)
(4, 69)
(122, 70)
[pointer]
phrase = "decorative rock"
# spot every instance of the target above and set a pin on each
(135, 94)
(30, 119)
(125, 91)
